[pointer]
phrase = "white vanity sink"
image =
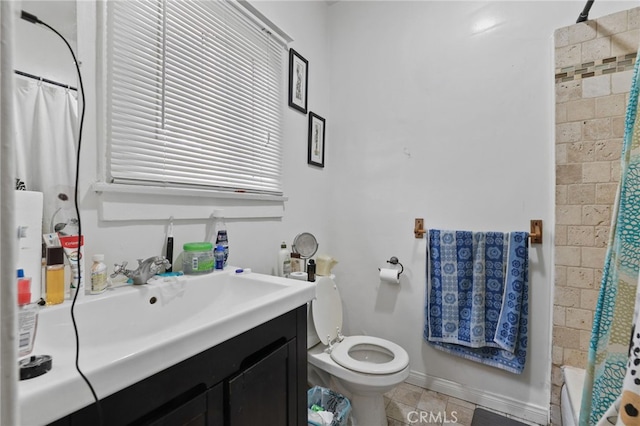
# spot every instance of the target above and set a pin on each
(132, 332)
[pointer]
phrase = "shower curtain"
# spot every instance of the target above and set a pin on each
(612, 323)
(46, 118)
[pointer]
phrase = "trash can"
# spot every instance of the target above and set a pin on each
(327, 408)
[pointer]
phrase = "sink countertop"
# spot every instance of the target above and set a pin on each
(132, 332)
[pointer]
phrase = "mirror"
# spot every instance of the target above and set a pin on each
(46, 114)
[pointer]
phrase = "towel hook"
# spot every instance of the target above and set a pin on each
(418, 228)
(536, 231)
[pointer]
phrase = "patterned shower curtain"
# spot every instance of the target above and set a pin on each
(612, 323)
(625, 411)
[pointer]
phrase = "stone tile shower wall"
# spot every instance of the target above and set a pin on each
(593, 66)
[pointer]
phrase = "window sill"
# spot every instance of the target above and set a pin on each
(119, 202)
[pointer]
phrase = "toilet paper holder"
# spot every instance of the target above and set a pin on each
(394, 261)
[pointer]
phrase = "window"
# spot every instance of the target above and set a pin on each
(194, 94)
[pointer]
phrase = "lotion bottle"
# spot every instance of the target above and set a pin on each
(284, 261)
(99, 278)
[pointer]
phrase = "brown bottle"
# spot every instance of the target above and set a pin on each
(311, 270)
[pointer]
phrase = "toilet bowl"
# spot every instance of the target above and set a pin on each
(362, 368)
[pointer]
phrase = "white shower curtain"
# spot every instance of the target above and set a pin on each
(47, 133)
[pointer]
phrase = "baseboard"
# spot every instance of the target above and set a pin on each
(519, 409)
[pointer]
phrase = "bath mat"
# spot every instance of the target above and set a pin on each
(483, 417)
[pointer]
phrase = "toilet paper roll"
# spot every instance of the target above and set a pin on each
(302, 276)
(388, 275)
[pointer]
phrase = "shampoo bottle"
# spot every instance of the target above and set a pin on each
(284, 261)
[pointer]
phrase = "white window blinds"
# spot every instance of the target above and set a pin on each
(194, 97)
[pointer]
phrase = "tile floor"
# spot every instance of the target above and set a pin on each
(412, 405)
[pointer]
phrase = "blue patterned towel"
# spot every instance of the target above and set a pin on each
(477, 307)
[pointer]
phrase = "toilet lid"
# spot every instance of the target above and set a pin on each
(327, 310)
(371, 355)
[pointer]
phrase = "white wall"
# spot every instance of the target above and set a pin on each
(424, 119)
(38, 50)
(434, 115)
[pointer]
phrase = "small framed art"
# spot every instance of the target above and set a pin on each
(316, 140)
(298, 79)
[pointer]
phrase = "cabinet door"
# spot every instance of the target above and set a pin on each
(190, 413)
(265, 392)
(205, 409)
(215, 405)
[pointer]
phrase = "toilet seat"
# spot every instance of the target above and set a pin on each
(387, 357)
(327, 311)
(364, 354)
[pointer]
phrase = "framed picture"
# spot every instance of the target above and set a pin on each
(316, 140)
(298, 79)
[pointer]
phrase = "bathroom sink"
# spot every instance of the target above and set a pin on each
(132, 332)
(127, 315)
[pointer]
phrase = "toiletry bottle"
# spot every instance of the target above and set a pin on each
(55, 275)
(311, 270)
(222, 238)
(98, 274)
(27, 315)
(43, 273)
(24, 288)
(218, 255)
(284, 261)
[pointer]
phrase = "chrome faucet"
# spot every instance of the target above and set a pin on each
(146, 269)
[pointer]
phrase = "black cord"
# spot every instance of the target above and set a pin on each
(34, 19)
(584, 15)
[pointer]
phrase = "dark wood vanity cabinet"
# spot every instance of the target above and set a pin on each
(258, 377)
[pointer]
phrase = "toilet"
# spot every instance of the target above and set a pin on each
(362, 368)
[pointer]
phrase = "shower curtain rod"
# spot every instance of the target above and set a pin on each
(584, 15)
(46, 80)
